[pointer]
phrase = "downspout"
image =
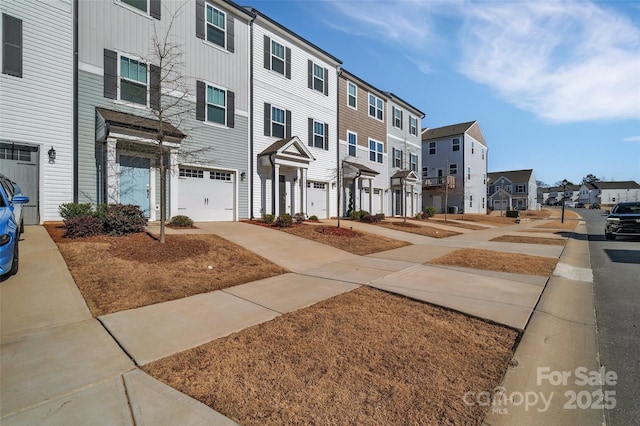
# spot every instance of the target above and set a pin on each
(338, 162)
(273, 185)
(251, 171)
(75, 101)
(358, 174)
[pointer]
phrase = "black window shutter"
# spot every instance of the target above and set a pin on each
(154, 87)
(310, 143)
(288, 63)
(231, 35)
(155, 9)
(401, 119)
(288, 124)
(11, 46)
(309, 74)
(201, 93)
(231, 109)
(110, 74)
(267, 119)
(326, 82)
(200, 19)
(326, 137)
(267, 52)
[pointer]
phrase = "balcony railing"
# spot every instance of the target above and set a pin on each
(439, 182)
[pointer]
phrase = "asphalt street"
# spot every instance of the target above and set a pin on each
(616, 269)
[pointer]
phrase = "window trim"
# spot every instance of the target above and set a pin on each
(207, 23)
(284, 122)
(377, 110)
(354, 96)
(453, 169)
(323, 135)
(120, 77)
(432, 147)
(455, 144)
(377, 151)
(397, 119)
(353, 145)
(274, 56)
(413, 162)
(20, 47)
(413, 125)
(207, 103)
(146, 14)
(320, 80)
(397, 157)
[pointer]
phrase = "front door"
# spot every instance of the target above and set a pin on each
(282, 190)
(135, 182)
(398, 202)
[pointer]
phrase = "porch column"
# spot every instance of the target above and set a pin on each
(276, 190)
(371, 196)
(112, 171)
(303, 191)
(174, 180)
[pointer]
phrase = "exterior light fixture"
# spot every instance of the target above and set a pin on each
(243, 175)
(52, 155)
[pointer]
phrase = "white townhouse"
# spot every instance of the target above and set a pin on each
(589, 193)
(123, 85)
(294, 149)
(405, 156)
(36, 103)
(617, 192)
(454, 168)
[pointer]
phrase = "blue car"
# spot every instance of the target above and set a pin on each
(11, 225)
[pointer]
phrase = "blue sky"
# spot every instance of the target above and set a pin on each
(555, 85)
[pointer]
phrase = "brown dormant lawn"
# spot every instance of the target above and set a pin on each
(492, 260)
(365, 357)
(414, 228)
(118, 273)
(530, 240)
(455, 224)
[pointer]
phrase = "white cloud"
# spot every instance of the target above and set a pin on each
(632, 139)
(563, 61)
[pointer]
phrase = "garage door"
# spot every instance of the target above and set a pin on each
(206, 195)
(20, 164)
(317, 195)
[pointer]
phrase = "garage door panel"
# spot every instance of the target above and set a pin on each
(206, 195)
(20, 164)
(317, 199)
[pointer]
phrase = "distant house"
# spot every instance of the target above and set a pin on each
(543, 195)
(589, 193)
(616, 192)
(454, 168)
(572, 193)
(513, 190)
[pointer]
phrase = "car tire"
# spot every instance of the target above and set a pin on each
(16, 260)
(22, 227)
(609, 237)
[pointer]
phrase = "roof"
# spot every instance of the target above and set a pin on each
(625, 184)
(348, 74)
(515, 176)
(284, 147)
(590, 185)
(362, 168)
(402, 174)
(257, 13)
(135, 122)
(276, 146)
(403, 102)
(470, 127)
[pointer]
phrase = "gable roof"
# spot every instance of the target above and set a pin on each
(147, 127)
(514, 176)
(625, 184)
(404, 103)
(289, 146)
(470, 127)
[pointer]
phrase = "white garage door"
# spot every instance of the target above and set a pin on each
(317, 199)
(20, 164)
(206, 195)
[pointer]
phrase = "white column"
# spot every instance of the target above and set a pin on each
(303, 191)
(112, 172)
(371, 197)
(174, 180)
(276, 190)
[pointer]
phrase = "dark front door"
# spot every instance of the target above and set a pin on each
(282, 190)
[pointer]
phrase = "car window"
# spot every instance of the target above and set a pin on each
(8, 188)
(627, 209)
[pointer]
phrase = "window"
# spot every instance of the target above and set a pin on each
(216, 32)
(15, 153)
(413, 126)
(484, 178)
(375, 107)
(352, 139)
(133, 81)
(483, 202)
(216, 105)
(455, 146)
(318, 78)
(413, 162)
(468, 173)
(483, 153)
(520, 188)
(425, 172)
(473, 147)
(397, 157)
(193, 173)
(277, 57)
(11, 46)
(453, 169)
(432, 148)
(470, 200)
(397, 118)
(352, 95)
(375, 151)
(138, 4)
(220, 176)
(277, 122)
(319, 136)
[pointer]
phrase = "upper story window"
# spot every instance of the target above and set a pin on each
(376, 107)
(413, 126)
(483, 153)
(277, 57)
(455, 146)
(319, 136)
(319, 78)
(397, 157)
(352, 140)
(216, 31)
(277, 122)
(133, 81)
(468, 173)
(520, 188)
(425, 172)
(397, 118)
(352, 95)
(432, 148)
(142, 5)
(413, 162)
(11, 46)
(375, 151)
(453, 169)
(473, 147)
(216, 105)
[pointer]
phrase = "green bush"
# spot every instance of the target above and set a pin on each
(269, 219)
(313, 217)
(101, 211)
(181, 221)
(380, 217)
(121, 219)
(357, 214)
(419, 215)
(428, 212)
(372, 218)
(513, 213)
(299, 218)
(71, 210)
(284, 221)
(82, 226)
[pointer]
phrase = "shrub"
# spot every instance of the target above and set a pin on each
(428, 212)
(313, 217)
(299, 218)
(123, 219)
(72, 210)
(82, 226)
(269, 219)
(380, 217)
(101, 211)
(284, 221)
(371, 218)
(357, 214)
(182, 221)
(419, 215)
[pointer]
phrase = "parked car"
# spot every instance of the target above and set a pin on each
(624, 219)
(579, 205)
(570, 204)
(594, 206)
(11, 224)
